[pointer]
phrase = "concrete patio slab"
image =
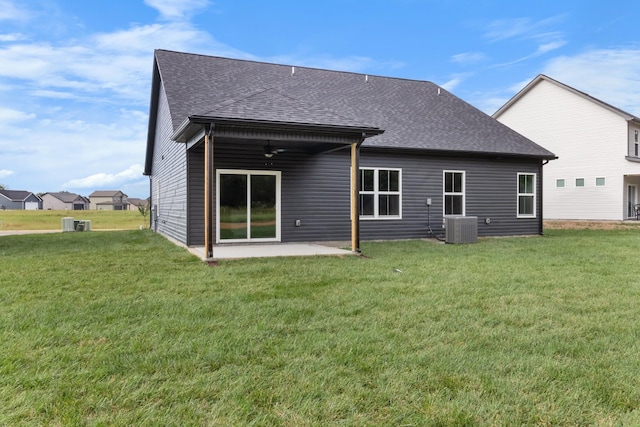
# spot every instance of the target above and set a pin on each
(269, 250)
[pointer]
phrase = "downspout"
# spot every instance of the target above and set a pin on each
(541, 220)
(355, 195)
(208, 192)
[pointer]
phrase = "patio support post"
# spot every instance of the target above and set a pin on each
(208, 192)
(355, 195)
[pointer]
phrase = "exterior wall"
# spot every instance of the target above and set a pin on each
(6, 203)
(315, 190)
(50, 202)
(96, 201)
(590, 142)
(168, 178)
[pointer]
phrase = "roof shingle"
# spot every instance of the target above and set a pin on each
(414, 114)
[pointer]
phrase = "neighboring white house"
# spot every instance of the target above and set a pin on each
(597, 174)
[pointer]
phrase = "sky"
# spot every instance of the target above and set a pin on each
(75, 75)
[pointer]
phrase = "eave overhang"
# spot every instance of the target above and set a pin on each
(194, 124)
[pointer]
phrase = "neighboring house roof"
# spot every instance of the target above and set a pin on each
(106, 193)
(136, 201)
(16, 195)
(67, 197)
(542, 77)
(413, 114)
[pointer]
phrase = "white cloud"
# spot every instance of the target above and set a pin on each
(177, 9)
(468, 58)
(455, 80)
(102, 180)
(12, 37)
(522, 28)
(548, 47)
(10, 12)
(9, 115)
(611, 75)
(5, 173)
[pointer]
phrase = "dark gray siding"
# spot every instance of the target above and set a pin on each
(315, 190)
(195, 196)
(491, 192)
(169, 177)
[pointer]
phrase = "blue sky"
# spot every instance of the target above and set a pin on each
(75, 74)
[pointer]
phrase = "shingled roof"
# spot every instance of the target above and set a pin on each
(413, 114)
(16, 195)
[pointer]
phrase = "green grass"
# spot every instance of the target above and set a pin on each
(123, 328)
(52, 220)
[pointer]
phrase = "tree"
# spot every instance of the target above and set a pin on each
(2, 187)
(144, 209)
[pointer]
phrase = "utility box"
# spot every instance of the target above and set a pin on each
(68, 224)
(461, 229)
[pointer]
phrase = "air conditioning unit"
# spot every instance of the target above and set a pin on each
(461, 229)
(68, 224)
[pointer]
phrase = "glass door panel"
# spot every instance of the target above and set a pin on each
(263, 207)
(233, 207)
(631, 198)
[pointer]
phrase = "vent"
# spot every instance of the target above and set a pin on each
(461, 229)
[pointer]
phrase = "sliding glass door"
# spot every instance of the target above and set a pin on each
(248, 206)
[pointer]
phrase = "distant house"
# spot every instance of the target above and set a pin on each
(251, 152)
(19, 200)
(108, 201)
(597, 175)
(135, 204)
(64, 200)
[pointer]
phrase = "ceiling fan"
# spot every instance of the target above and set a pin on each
(269, 151)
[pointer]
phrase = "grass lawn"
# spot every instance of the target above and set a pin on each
(52, 220)
(123, 328)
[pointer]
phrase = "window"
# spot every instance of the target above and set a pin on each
(526, 195)
(579, 182)
(380, 195)
(560, 183)
(600, 181)
(453, 193)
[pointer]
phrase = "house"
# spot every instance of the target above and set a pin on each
(135, 203)
(64, 201)
(108, 200)
(19, 200)
(597, 174)
(244, 151)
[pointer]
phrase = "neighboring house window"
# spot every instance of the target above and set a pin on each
(600, 181)
(380, 193)
(453, 192)
(560, 183)
(635, 137)
(526, 195)
(579, 182)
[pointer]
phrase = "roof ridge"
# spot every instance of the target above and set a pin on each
(298, 67)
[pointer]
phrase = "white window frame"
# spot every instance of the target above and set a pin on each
(604, 181)
(377, 193)
(454, 193)
(559, 180)
(583, 182)
(532, 195)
